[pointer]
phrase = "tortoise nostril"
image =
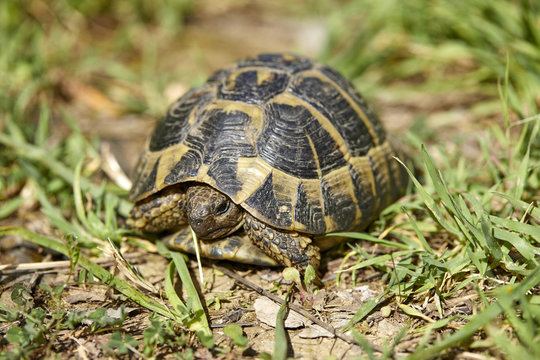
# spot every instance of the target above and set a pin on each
(196, 222)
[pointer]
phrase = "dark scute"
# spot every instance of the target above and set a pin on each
(339, 205)
(290, 64)
(336, 77)
(284, 144)
(309, 213)
(264, 201)
(145, 184)
(245, 87)
(223, 171)
(188, 166)
(225, 135)
(218, 139)
(364, 196)
(328, 101)
(358, 99)
(226, 140)
(173, 127)
(326, 147)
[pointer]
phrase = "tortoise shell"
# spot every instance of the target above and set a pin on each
(287, 139)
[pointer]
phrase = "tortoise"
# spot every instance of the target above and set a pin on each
(262, 161)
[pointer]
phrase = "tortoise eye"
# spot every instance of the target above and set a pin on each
(223, 207)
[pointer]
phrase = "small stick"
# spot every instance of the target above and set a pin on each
(112, 168)
(46, 265)
(197, 253)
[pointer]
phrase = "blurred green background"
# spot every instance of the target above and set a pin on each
(119, 57)
(432, 66)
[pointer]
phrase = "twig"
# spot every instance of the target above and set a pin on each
(46, 265)
(112, 168)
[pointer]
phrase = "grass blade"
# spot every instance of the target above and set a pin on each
(10, 206)
(523, 246)
(519, 227)
(431, 204)
(170, 291)
(202, 322)
(364, 311)
(419, 234)
(535, 211)
(104, 275)
(482, 319)
(438, 183)
(373, 239)
(281, 344)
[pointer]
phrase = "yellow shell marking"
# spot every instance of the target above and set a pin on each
(264, 75)
(251, 172)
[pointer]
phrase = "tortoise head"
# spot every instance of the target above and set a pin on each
(211, 214)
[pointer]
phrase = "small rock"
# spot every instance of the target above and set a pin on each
(365, 293)
(266, 312)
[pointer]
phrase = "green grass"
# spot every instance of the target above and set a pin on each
(487, 206)
(471, 223)
(441, 46)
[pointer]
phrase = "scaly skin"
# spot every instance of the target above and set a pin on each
(289, 248)
(164, 211)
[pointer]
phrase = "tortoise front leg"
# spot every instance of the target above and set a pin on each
(165, 211)
(286, 247)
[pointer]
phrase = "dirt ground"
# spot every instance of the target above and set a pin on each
(334, 305)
